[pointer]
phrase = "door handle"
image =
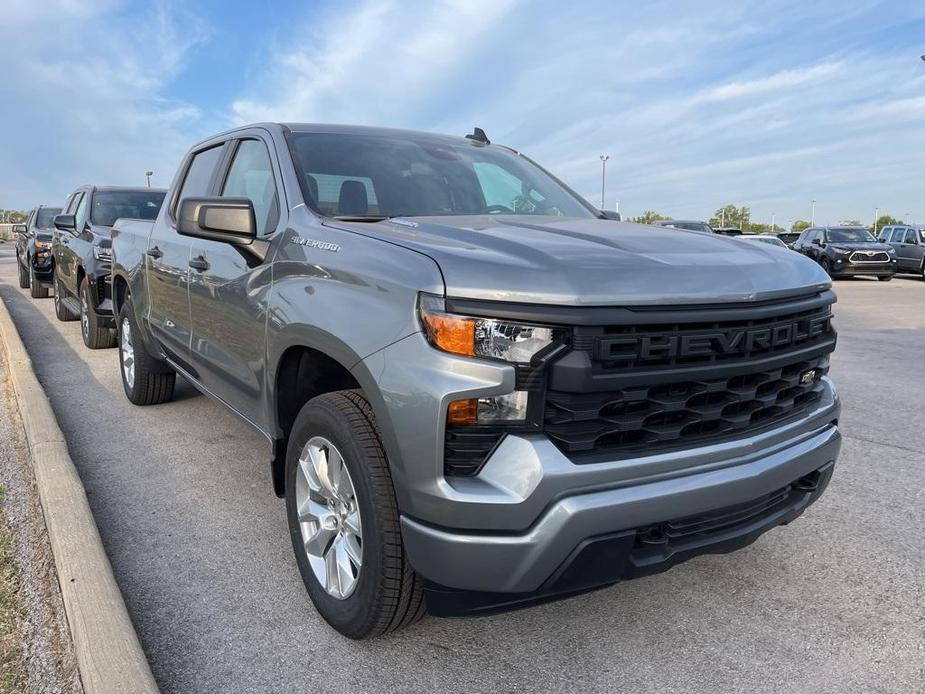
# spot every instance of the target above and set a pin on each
(199, 263)
(154, 252)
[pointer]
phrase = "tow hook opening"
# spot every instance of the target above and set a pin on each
(809, 483)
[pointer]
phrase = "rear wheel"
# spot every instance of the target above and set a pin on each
(37, 290)
(885, 278)
(94, 335)
(23, 274)
(343, 519)
(62, 312)
(145, 379)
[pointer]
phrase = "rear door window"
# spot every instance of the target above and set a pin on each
(911, 236)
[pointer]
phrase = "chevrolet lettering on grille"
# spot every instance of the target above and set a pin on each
(715, 342)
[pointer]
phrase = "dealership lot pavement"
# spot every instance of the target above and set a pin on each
(198, 542)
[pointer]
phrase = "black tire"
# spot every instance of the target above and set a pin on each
(37, 290)
(23, 274)
(885, 278)
(153, 380)
(94, 335)
(388, 594)
(922, 269)
(826, 265)
(62, 312)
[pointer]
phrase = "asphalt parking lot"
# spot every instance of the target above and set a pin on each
(198, 542)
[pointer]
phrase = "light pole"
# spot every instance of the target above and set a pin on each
(722, 218)
(876, 219)
(604, 158)
(148, 175)
(812, 216)
(772, 223)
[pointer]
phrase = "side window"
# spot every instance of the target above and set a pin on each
(251, 176)
(199, 174)
(898, 235)
(82, 212)
(30, 221)
(910, 236)
(884, 234)
(71, 203)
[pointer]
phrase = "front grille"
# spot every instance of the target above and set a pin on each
(681, 412)
(863, 257)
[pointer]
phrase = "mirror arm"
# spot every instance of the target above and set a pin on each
(254, 253)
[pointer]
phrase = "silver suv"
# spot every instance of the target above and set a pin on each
(909, 244)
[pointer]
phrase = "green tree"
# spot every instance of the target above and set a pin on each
(731, 216)
(757, 228)
(648, 217)
(799, 225)
(886, 220)
(12, 217)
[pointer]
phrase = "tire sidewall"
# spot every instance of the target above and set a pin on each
(85, 333)
(353, 614)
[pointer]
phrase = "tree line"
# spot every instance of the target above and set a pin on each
(12, 217)
(741, 218)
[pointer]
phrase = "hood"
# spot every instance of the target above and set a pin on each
(595, 262)
(869, 246)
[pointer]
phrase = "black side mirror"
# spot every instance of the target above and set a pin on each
(66, 222)
(610, 214)
(19, 228)
(817, 242)
(230, 220)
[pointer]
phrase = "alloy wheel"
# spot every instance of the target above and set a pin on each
(84, 315)
(329, 517)
(127, 351)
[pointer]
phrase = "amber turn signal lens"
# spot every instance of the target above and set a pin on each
(463, 412)
(450, 333)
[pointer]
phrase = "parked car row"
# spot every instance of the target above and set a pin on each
(844, 251)
(479, 391)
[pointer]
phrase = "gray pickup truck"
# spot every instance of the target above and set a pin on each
(478, 392)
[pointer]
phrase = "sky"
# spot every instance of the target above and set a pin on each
(698, 104)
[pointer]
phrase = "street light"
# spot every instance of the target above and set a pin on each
(772, 223)
(604, 158)
(148, 175)
(812, 216)
(876, 219)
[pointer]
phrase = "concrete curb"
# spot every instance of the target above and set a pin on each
(109, 656)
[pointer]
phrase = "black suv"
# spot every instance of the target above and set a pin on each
(848, 252)
(82, 257)
(33, 251)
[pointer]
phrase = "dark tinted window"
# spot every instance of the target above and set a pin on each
(398, 175)
(911, 236)
(849, 235)
(251, 176)
(199, 174)
(110, 205)
(45, 217)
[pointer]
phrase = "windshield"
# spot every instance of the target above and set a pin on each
(849, 236)
(46, 217)
(110, 205)
(398, 175)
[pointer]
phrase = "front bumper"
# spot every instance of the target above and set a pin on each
(844, 268)
(101, 291)
(534, 563)
(42, 267)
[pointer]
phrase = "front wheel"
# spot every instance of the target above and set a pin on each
(37, 290)
(94, 335)
(827, 266)
(23, 274)
(343, 519)
(145, 379)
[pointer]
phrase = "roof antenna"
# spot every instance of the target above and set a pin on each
(479, 136)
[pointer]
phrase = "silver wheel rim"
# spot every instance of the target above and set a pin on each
(84, 314)
(128, 354)
(329, 517)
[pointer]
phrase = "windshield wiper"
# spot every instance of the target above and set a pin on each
(360, 217)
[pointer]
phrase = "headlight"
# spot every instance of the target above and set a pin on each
(102, 252)
(891, 250)
(489, 338)
(39, 245)
(481, 337)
